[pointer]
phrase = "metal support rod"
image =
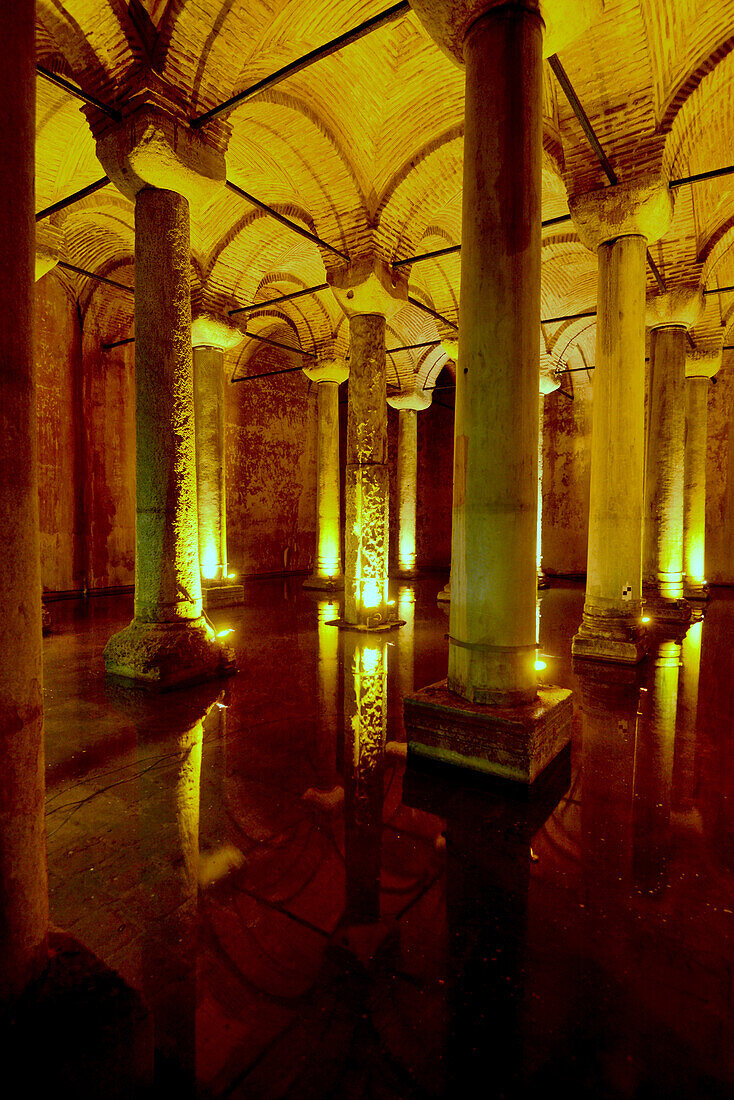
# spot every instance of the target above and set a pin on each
(569, 317)
(93, 275)
(276, 301)
(571, 370)
(428, 389)
(119, 343)
(266, 374)
(654, 268)
(583, 119)
(452, 249)
(411, 347)
(283, 220)
(297, 66)
(718, 290)
(70, 199)
(72, 89)
(285, 347)
(700, 176)
(565, 394)
(432, 312)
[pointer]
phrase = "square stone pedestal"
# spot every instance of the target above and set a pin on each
(222, 595)
(626, 646)
(515, 743)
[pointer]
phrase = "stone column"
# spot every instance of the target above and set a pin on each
(168, 641)
(450, 345)
(618, 222)
(367, 291)
(328, 374)
(669, 318)
(23, 892)
(700, 369)
(210, 336)
(408, 405)
(548, 384)
(492, 646)
(155, 159)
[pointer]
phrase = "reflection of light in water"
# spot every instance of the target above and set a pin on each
(328, 638)
(405, 640)
(684, 765)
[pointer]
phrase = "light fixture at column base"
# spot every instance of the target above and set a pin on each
(444, 595)
(661, 609)
(626, 644)
(543, 581)
(514, 743)
(361, 628)
(220, 594)
(324, 584)
(168, 655)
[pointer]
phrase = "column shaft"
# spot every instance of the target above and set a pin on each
(663, 517)
(694, 493)
(612, 609)
(209, 406)
(23, 890)
(328, 504)
(367, 489)
(407, 487)
(539, 540)
(492, 624)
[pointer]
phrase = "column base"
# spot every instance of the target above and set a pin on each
(543, 581)
(361, 628)
(97, 1033)
(665, 610)
(610, 638)
(696, 593)
(222, 595)
(515, 743)
(166, 655)
(405, 574)
(444, 595)
(324, 584)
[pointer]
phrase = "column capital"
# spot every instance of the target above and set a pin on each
(449, 342)
(549, 381)
(641, 207)
(680, 308)
(49, 242)
(154, 146)
(210, 330)
(327, 369)
(369, 285)
(417, 399)
(449, 21)
(703, 363)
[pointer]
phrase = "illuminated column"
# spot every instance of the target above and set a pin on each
(23, 892)
(367, 291)
(408, 405)
(617, 222)
(328, 374)
(492, 647)
(548, 384)
(669, 318)
(210, 336)
(450, 345)
(700, 369)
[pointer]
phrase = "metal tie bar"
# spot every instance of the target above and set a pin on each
(266, 374)
(432, 312)
(63, 203)
(276, 301)
(336, 44)
(283, 220)
(93, 275)
(78, 93)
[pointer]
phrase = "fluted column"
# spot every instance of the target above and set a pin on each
(23, 891)
(669, 318)
(618, 222)
(408, 405)
(210, 337)
(700, 369)
(328, 375)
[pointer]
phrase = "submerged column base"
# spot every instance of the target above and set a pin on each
(166, 655)
(220, 594)
(665, 609)
(321, 583)
(696, 591)
(444, 595)
(515, 743)
(610, 636)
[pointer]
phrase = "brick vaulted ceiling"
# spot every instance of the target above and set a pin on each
(367, 144)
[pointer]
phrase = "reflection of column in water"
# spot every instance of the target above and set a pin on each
(169, 847)
(365, 711)
(654, 770)
(715, 759)
(609, 697)
(684, 766)
(325, 756)
(405, 639)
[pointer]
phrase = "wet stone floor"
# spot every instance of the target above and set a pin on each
(307, 916)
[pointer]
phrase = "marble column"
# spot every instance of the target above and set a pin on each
(618, 222)
(23, 890)
(408, 405)
(168, 642)
(210, 337)
(548, 384)
(328, 375)
(700, 369)
(492, 635)
(450, 344)
(670, 316)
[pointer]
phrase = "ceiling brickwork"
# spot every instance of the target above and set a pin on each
(364, 149)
